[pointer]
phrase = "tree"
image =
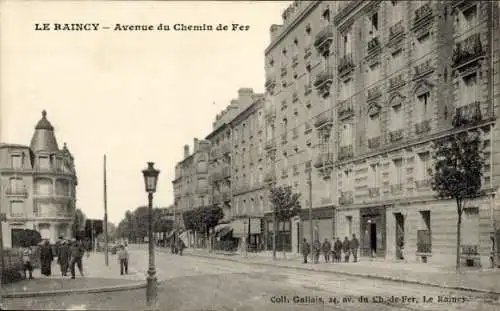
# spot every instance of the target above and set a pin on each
(458, 171)
(210, 217)
(285, 205)
(30, 237)
(78, 222)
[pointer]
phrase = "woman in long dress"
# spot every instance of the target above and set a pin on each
(46, 258)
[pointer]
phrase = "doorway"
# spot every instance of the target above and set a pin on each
(373, 238)
(400, 235)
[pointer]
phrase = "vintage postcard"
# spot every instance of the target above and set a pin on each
(249, 155)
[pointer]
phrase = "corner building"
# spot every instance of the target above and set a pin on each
(299, 116)
(37, 186)
(404, 69)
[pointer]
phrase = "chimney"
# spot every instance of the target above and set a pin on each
(186, 151)
(275, 31)
(195, 145)
(245, 97)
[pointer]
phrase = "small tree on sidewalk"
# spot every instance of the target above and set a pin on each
(285, 205)
(210, 217)
(458, 166)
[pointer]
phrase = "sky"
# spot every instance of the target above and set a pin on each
(136, 96)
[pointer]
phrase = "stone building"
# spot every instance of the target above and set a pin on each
(37, 186)
(404, 70)
(300, 96)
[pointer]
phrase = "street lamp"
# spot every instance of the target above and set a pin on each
(150, 180)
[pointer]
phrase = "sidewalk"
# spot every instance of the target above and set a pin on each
(97, 278)
(487, 280)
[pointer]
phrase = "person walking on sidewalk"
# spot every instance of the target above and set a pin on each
(327, 249)
(180, 246)
(123, 259)
(317, 250)
(27, 254)
(76, 251)
(64, 257)
(338, 250)
(46, 257)
(354, 244)
(305, 249)
(346, 247)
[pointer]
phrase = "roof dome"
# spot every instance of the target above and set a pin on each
(44, 138)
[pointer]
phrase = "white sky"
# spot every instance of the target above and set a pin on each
(136, 96)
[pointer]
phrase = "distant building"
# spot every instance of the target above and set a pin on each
(37, 186)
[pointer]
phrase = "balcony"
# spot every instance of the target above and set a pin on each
(295, 61)
(345, 109)
(423, 126)
(374, 93)
(423, 184)
(284, 138)
(270, 145)
(423, 69)
(396, 31)
(467, 51)
(468, 115)
(396, 82)
(226, 171)
(54, 214)
(422, 14)
(324, 159)
(284, 72)
(270, 84)
(345, 152)
(346, 197)
(307, 52)
(20, 191)
(373, 46)
(346, 65)
(396, 135)
(323, 119)
(374, 142)
(373, 192)
(18, 215)
(323, 81)
(396, 188)
(324, 40)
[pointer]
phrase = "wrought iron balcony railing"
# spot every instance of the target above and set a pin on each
(373, 45)
(468, 115)
(16, 191)
(346, 64)
(324, 39)
(374, 92)
(422, 69)
(373, 192)
(396, 30)
(396, 81)
(284, 71)
(325, 76)
(345, 152)
(324, 159)
(323, 119)
(468, 50)
(374, 142)
(270, 144)
(346, 197)
(422, 13)
(345, 108)
(396, 135)
(423, 126)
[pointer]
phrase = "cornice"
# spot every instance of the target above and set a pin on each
(217, 130)
(341, 16)
(292, 25)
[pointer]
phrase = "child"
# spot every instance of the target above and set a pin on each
(27, 253)
(123, 259)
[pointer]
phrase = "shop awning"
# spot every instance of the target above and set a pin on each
(224, 231)
(220, 227)
(240, 227)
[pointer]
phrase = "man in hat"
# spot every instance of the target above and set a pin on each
(76, 251)
(64, 257)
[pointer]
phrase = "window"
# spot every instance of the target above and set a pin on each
(375, 175)
(347, 181)
(43, 186)
(16, 161)
(346, 89)
(326, 15)
(398, 171)
(397, 117)
(423, 111)
(424, 168)
(396, 12)
(373, 74)
(397, 62)
(423, 46)
(346, 43)
(373, 125)
(43, 162)
(346, 135)
(16, 185)
(373, 25)
(349, 225)
(16, 208)
(470, 89)
(466, 20)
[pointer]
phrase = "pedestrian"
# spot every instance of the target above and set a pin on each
(316, 250)
(27, 266)
(46, 257)
(338, 250)
(305, 249)
(64, 257)
(180, 246)
(354, 245)
(327, 249)
(346, 247)
(123, 257)
(76, 251)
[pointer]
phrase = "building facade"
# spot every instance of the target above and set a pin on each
(300, 97)
(405, 69)
(37, 186)
(191, 189)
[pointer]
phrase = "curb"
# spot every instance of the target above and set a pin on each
(369, 276)
(115, 288)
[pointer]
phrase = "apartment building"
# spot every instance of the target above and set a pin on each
(38, 187)
(404, 70)
(191, 188)
(249, 192)
(299, 117)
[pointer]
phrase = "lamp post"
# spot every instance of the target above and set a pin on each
(150, 181)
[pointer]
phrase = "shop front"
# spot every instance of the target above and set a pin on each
(323, 225)
(249, 229)
(373, 231)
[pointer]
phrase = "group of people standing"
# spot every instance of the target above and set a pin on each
(68, 254)
(177, 246)
(335, 251)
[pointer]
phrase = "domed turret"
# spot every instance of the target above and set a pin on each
(44, 138)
